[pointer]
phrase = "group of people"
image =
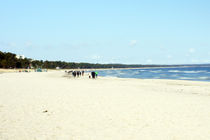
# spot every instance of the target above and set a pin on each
(76, 73)
(92, 74)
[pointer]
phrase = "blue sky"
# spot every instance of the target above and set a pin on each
(111, 31)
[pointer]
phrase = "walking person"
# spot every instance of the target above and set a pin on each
(96, 74)
(93, 74)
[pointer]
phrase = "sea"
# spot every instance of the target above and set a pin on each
(174, 73)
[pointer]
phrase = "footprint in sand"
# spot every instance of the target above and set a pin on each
(45, 111)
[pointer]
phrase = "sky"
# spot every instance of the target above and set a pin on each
(108, 31)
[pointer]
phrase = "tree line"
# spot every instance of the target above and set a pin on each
(9, 60)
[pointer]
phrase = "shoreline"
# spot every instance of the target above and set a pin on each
(2, 71)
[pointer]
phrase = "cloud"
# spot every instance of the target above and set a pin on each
(133, 42)
(195, 61)
(11, 44)
(95, 57)
(169, 56)
(192, 50)
(206, 61)
(8, 44)
(28, 44)
(187, 55)
(149, 61)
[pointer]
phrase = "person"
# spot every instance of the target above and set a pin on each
(69, 72)
(74, 73)
(93, 74)
(96, 74)
(78, 74)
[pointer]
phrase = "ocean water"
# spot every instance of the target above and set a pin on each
(179, 73)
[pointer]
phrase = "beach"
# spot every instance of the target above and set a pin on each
(53, 106)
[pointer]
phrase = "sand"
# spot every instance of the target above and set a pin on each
(49, 106)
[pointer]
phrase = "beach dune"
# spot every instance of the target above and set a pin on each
(51, 106)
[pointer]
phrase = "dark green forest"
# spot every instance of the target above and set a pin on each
(9, 61)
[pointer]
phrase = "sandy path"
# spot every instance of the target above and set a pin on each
(47, 106)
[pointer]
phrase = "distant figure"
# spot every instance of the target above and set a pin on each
(96, 74)
(74, 73)
(93, 74)
(69, 72)
(83, 73)
(77, 73)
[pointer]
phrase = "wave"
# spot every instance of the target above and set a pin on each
(204, 78)
(109, 72)
(120, 72)
(156, 77)
(142, 70)
(178, 71)
(174, 71)
(167, 73)
(155, 71)
(194, 71)
(185, 78)
(110, 76)
(136, 73)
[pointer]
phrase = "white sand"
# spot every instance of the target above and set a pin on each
(102, 109)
